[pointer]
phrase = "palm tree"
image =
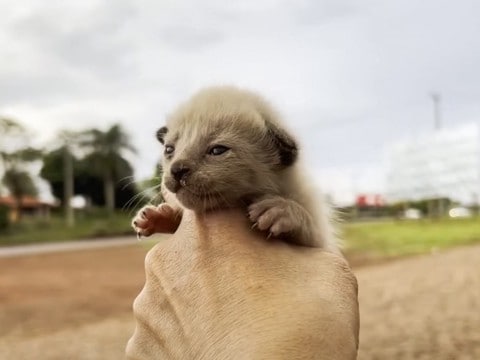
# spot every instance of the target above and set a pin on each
(66, 140)
(20, 184)
(105, 150)
(14, 156)
(9, 126)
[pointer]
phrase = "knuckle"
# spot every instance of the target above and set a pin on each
(139, 302)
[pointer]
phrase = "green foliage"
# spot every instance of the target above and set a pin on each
(17, 151)
(4, 220)
(19, 183)
(150, 188)
(87, 181)
(14, 157)
(10, 127)
(399, 238)
(95, 164)
(87, 226)
(28, 154)
(52, 169)
(105, 152)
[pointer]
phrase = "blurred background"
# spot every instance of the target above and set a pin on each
(384, 97)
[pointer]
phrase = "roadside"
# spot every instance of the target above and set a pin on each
(43, 248)
(44, 293)
(91, 226)
(77, 305)
(367, 242)
(424, 307)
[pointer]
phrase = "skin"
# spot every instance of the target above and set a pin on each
(216, 290)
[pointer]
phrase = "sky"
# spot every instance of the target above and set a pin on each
(350, 77)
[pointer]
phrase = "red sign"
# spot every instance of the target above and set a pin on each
(365, 200)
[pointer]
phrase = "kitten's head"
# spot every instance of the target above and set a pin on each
(223, 146)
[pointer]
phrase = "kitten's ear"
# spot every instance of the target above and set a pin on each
(284, 143)
(161, 134)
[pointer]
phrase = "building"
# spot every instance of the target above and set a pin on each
(29, 206)
(441, 164)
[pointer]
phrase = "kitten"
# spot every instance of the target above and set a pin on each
(225, 148)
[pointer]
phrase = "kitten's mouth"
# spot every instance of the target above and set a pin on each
(200, 195)
(175, 186)
(183, 189)
(197, 197)
(200, 201)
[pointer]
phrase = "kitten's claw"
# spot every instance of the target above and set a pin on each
(276, 215)
(254, 226)
(139, 236)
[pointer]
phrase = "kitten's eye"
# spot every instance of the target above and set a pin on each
(218, 150)
(169, 149)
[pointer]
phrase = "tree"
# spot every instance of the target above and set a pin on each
(52, 171)
(15, 155)
(67, 141)
(58, 170)
(20, 184)
(86, 181)
(105, 150)
(150, 188)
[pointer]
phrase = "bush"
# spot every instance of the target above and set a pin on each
(4, 220)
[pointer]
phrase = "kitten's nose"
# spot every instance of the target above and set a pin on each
(179, 170)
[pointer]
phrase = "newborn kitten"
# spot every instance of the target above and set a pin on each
(226, 148)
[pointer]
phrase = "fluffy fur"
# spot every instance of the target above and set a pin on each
(227, 147)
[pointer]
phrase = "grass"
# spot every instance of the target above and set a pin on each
(55, 230)
(402, 238)
(363, 241)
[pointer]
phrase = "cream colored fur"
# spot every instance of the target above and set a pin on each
(262, 170)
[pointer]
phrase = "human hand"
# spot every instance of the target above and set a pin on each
(217, 290)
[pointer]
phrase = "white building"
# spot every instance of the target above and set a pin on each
(444, 163)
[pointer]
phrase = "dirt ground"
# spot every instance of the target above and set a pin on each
(54, 306)
(425, 307)
(77, 305)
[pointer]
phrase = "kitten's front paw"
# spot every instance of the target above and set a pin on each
(155, 219)
(274, 214)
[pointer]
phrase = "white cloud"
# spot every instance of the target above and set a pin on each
(350, 77)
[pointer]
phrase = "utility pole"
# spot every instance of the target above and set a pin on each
(68, 186)
(437, 121)
(436, 110)
(68, 177)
